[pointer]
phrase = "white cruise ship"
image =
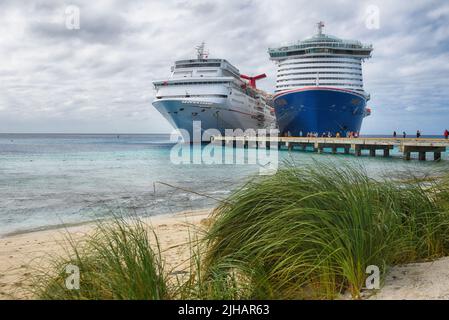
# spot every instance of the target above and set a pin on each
(212, 91)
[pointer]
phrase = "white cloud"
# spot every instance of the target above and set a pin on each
(98, 78)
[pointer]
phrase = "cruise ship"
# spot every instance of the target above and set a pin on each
(319, 86)
(214, 92)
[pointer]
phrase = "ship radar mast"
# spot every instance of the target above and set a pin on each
(320, 26)
(201, 52)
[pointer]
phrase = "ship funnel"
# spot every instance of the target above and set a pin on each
(252, 80)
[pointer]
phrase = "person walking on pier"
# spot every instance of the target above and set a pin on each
(394, 134)
(418, 134)
(446, 134)
(404, 135)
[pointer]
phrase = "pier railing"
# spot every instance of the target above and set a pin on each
(404, 145)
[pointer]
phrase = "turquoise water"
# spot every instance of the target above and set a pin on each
(48, 180)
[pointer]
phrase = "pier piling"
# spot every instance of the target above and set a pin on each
(422, 155)
(422, 148)
(407, 156)
(358, 150)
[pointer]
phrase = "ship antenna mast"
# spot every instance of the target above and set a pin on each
(320, 26)
(201, 52)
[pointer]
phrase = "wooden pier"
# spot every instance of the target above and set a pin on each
(406, 146)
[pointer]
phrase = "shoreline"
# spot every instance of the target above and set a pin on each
(69, 225)
(24, 254)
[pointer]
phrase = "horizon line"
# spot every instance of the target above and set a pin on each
(399, 133)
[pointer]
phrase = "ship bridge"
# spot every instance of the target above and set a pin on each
(204, 68)
(322, 43)
(321, 60)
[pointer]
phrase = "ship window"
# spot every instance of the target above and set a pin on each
(195, 83)
(321, 56)
(195, 95)
(321, 84)
(320, 72)
(312, 49)
(207, 71)
(318, 67)
(320, 78)
(197, 65)
(324, 61)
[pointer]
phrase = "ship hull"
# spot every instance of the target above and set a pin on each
(215, 114)
(319, 110)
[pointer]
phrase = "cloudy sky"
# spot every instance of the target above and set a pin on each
(98, 78)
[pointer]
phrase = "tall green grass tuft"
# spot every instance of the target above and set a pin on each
(116, 262)
(311, 232)
(306, 232)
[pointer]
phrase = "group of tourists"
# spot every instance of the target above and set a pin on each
(351, 134)
(418, 134)
(329, 134)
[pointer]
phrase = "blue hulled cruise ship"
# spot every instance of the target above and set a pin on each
(319, 86)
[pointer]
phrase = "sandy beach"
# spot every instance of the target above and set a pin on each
(21, 255)
(417, 281)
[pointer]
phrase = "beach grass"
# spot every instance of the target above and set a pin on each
(311, 231)
(117, 261)
(307, 232)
